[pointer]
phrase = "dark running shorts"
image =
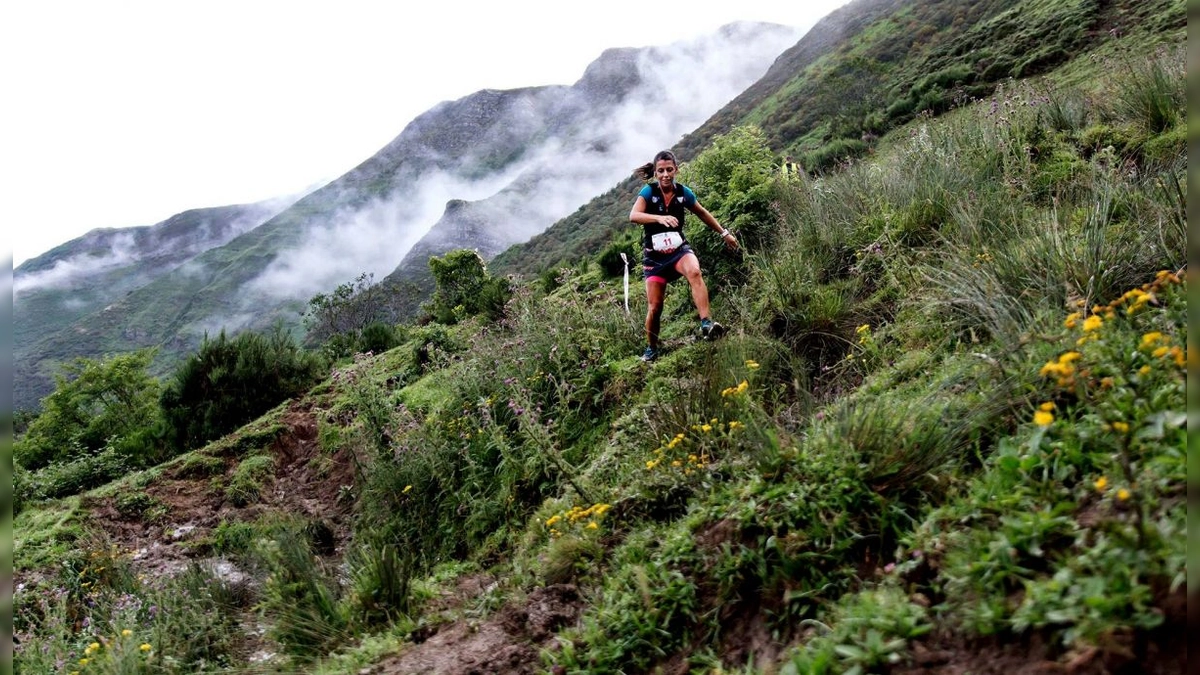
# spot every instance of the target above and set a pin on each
(660, 267)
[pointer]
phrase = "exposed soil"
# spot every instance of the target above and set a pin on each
(194, 506)
(306, 485)
(508, 641)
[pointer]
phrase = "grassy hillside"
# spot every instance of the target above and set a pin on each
(947, 433)
(868, 67)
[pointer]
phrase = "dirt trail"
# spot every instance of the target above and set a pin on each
(305, 485)
(509, 641)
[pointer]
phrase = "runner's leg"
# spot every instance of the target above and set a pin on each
(689, 267)
(655, 292)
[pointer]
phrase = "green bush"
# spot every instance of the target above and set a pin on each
(377, 338)
(380, 576)
(96, 404)
(231, 381)
(464, 288)
(834, 152)
(1151, 94)
(301, 598)
(61, 479)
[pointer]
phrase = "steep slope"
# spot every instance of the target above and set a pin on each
(864, 69)
(491, 144)
(87, 274)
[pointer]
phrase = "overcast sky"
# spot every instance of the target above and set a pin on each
(120, 114)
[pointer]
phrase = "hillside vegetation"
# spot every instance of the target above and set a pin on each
(946, 433)
(871, 66)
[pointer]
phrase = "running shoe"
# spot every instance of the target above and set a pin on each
(711, 330)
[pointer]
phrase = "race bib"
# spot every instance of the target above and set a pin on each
(665, 242)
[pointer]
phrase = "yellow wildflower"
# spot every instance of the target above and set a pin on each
(406, 489)
(1144, 370)
(1179, 357)
(1160, 352)
(1150, 339)
(1051, 368)
(1101, 483)
(743, 386)
(592, 525)
(1043, 418)
(1120, 427)
(735, 425)
(83, 662)
(1047, 406)
(1072, 319)
(552, 520)
(752, 364)
(126, 633)
(1069, 357)
(145, 647)
(706, 428)
(1092, 323)
(1122, 494)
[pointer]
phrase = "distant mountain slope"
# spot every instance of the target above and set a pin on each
(864, 69)
(88, 273)
(523, 158)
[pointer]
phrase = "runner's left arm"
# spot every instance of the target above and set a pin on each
(710, 220)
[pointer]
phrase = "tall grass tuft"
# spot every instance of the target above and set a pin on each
(1151, 94)
(381, 575)
(301, 598)
(903, 439)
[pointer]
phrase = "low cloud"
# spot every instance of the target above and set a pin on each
(683, 84)
(71, 272)
(372, 239)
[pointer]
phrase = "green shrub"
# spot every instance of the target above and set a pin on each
(1151, 94)
(464, 288)
(380, 576)
(609, 258)
(235, 538)
(61, 479)
(137, 504)
(834, 152)
(377, 338)
(96, 404)
(1167, 147)
(230, 381)
(1097, 137)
